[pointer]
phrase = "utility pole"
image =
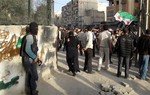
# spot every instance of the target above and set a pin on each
(71, 13)
(29, 8)
(120, 4)
(147, 14)
(140, 31)
(52, 11)
(48, 12)
(131, 6)
(140, 19)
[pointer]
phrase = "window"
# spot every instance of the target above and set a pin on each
(110, 13)
(117, 2)
(136, 1)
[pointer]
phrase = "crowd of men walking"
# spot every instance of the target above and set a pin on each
(123, 42)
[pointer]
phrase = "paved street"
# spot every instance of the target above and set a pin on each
(63, 83)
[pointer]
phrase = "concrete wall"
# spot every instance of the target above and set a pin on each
(12, 67)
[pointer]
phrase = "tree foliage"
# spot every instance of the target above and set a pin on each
(41, 14)
(13, 11)
(17, 12)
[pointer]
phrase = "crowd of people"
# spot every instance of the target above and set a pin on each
(87, 40)
(122, 42)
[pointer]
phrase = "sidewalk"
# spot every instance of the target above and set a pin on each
(63, 83)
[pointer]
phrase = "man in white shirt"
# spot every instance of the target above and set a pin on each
(104, 41)
(88, 50)
(59, 39)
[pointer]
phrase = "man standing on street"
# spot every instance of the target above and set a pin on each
(88, 50)
(124, 48)
(30, 59)
(143, 47)
(104, 41)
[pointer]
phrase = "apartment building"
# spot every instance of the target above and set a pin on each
(130, 6)
(94, 17)
(103, 7)
(81, 12)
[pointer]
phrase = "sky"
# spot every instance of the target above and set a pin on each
(59, 3)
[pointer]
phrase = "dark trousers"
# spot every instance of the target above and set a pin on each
(88, 60)
(31, 76)
(94, 46)
(81, 47)
(120, 63)
(73, 64)
(76, 63)
(64, 48)
(110, 54)
(60, 43)
(81, 52)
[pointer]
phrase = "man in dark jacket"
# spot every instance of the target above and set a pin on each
(143, 47)
(30, 59)
(124, 47)
(72, 45)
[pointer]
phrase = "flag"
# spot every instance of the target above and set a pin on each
(126, 17)
(18, 44)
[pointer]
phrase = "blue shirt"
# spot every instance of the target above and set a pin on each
(28, 48)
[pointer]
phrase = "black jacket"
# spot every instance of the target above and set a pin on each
(143, 45)
(71, 46)
(124, 45)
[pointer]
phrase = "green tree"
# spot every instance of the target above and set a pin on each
(40, 15)
(13, 11)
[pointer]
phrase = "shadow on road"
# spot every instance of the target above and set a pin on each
(141, 87)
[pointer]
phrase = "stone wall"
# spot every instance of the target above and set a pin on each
(12, 75)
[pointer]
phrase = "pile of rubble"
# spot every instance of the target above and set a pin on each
(123, 89)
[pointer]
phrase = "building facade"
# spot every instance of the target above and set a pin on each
(131, 6)
(103, 7)
(78, 13)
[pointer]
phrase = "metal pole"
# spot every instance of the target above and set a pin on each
(140, 20)
(147, 14)
(52, 11)
(29, 6)
(120, 4)
(72, 13)
(139, 32)
(48, 12)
